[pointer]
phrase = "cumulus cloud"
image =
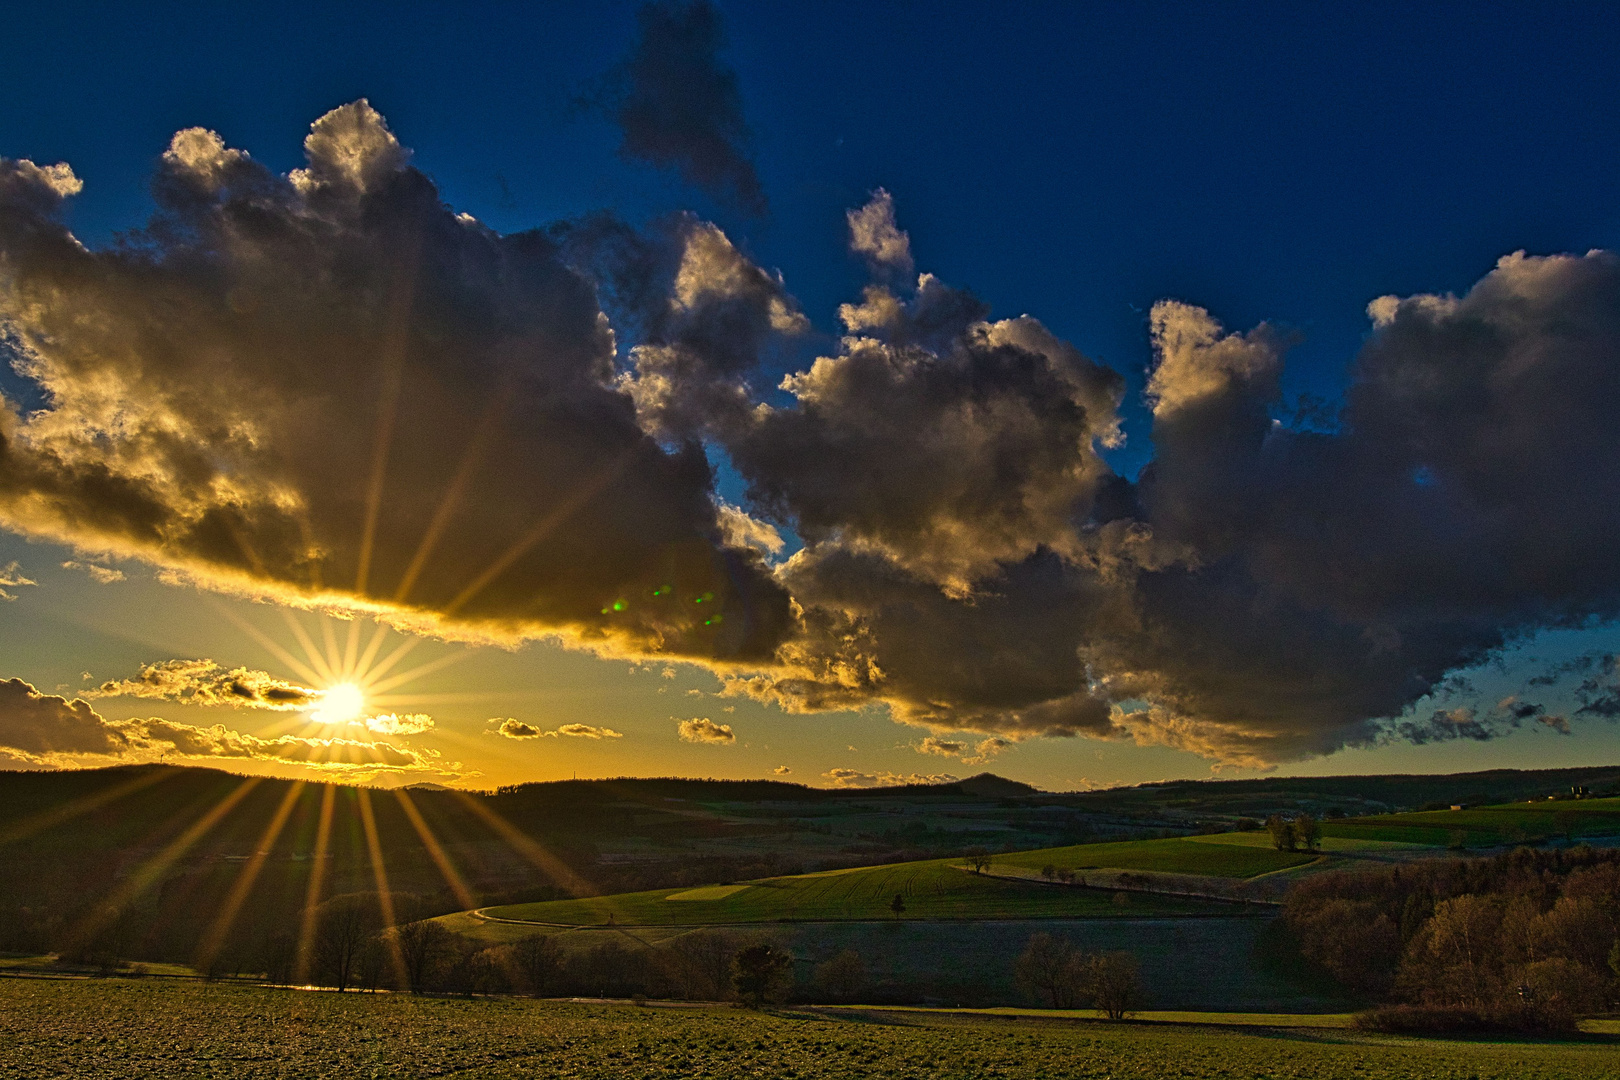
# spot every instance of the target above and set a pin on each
(678, 105)
(781, 770)
(357, 397)
(399, 723)
(517, 729)
(874, 234)
(50, 730)
(204, 682)
(704, 730)
(11, 577)
(933, 744)
(101, 575)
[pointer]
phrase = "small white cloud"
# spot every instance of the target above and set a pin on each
(400, 723)
(703, 730)
(781, 770)
(11, 577)
(517, 729)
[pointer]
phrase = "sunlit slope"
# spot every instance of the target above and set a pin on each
(936, 888)
(1490, 826)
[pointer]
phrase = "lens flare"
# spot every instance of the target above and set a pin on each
(340, 704)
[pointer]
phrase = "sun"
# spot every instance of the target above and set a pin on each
(340, 704)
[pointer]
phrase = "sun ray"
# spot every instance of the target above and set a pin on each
(435, 850)
(471, 697)
(302, 670)
(56, 815)
(334, 662)
(146, 875)
(351, 649)
(385, 898)
(312, 893)
(392, 364)
(417, 672)
(527, 847)
(564, 510)
(363, 665)
(317, 660)
(399, 653)
(214, 938)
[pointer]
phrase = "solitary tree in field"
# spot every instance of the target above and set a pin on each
(898, 905)
(421, 945)
(978, 858)
(1282, 833)
(344, 928)
(1049, 872)
(1050, 970)
(1112, 984)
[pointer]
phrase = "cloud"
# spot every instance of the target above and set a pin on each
(399, 723)
(11, 577)
(586, 731)
(933, 744)
(33, 725)
(50, 730)
(517, 729)
(704, 730)
(102, 575)
(781, 770)
(418, 417)
(854, 778)
(874, 234)
(203, 682)
(679, 106)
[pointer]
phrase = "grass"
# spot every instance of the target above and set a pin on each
(1487, 826)
(932, 889)
(117, 1029)
(1179, 856)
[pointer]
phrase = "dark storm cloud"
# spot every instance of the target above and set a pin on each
(330, 388)
(679, 106)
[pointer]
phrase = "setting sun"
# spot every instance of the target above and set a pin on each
(340, 704)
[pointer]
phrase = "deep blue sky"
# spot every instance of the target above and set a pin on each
(1281, 162)
(1269, 162)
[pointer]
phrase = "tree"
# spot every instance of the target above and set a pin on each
(978, 858)
(1050, 970)
(421, 946)
(1112, 984)
(1282, 833)
(898, 905)
(344, 925)
(1049, 872)
(1308, 831)
(843, 977)
(700, 963)
(761, 973)
(536, 961)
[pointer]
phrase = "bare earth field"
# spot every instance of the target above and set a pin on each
(155, 1028)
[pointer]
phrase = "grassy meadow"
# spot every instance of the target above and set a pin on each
(116, 1029)
(930, 889)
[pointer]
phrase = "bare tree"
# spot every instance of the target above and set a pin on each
(701, 962)
(979, 858)
(422, 945)
(1051, 970)
(537, 960)
(843, 977)
(344, 925)
(1112, 984)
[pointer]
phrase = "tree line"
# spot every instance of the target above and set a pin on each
(1529, 939)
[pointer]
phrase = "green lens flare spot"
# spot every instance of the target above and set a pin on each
(704, 599)
(711, 622)
(618, 605)
(662, 590)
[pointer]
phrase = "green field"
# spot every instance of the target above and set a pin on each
(116, 1029)
(933, 889)
(1488, 826)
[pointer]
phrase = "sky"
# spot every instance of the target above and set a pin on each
(847, 394)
